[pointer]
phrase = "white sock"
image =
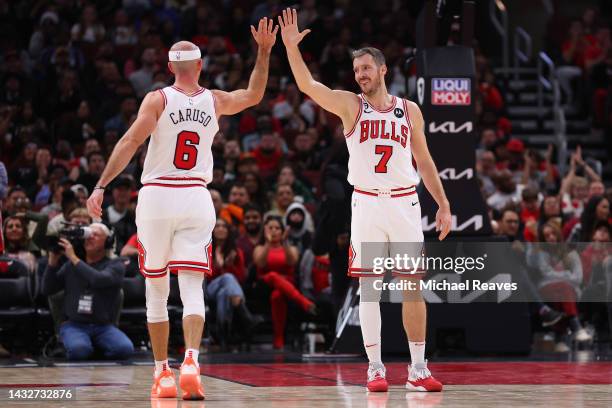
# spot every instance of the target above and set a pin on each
(369, 319)
(193, 353)
(417, 351)
(161, 366)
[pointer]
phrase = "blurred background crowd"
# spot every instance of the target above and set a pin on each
(72, 75)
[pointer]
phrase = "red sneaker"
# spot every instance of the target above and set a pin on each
(420, 379)
(376, 378)
(164, 385)
(190, 380)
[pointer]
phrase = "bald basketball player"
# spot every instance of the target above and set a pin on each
(384, 135)
(175, 214)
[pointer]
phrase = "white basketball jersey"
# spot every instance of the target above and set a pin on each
(180, 145)
(379, 147)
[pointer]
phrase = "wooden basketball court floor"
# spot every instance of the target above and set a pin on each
(324, 384)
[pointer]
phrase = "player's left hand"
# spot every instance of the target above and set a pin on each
(94, 204)
(265, 35)
(443, 221)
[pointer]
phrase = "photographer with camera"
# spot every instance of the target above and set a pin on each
(92, 295)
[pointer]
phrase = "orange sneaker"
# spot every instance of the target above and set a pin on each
(190, 380)
(164, 385)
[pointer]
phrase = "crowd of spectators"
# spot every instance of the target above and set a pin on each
(581, 46)
(549, 216)
(73, 74)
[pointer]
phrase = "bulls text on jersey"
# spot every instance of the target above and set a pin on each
(383, 129)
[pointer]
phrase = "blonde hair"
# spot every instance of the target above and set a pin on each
(580, 182)
(79, 212)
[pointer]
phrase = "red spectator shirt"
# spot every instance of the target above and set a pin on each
(277, 262)
(268, 164)
(133, 241)
(579, 54)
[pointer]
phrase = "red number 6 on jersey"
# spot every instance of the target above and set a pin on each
(186, 151)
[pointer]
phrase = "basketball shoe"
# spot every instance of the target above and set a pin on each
(164, 385)
(376, 378)
(190, 380)
(420, 379)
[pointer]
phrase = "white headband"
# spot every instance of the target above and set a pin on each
(185, 55)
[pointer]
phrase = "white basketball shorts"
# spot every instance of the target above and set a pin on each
(385, 223)
(175, 223)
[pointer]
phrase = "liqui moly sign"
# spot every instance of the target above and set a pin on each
(451, 91)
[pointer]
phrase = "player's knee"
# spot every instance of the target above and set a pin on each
(192, 295)
(157, 292)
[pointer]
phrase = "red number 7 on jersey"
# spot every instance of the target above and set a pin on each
(386, 152)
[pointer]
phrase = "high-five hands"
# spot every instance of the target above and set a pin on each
(289, 29)
(265, 35)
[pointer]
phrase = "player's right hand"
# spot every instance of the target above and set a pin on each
(94, 204)
(289, 29)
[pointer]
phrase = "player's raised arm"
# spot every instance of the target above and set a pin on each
(141, 129)
(429, 172)
(230, 103)
(341, 103)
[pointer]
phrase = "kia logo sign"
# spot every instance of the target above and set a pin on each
(453, 174)
(475, 223)
(450, 127)
(451, 91)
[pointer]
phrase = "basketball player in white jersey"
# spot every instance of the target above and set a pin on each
(384, 135)
(175, 214)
